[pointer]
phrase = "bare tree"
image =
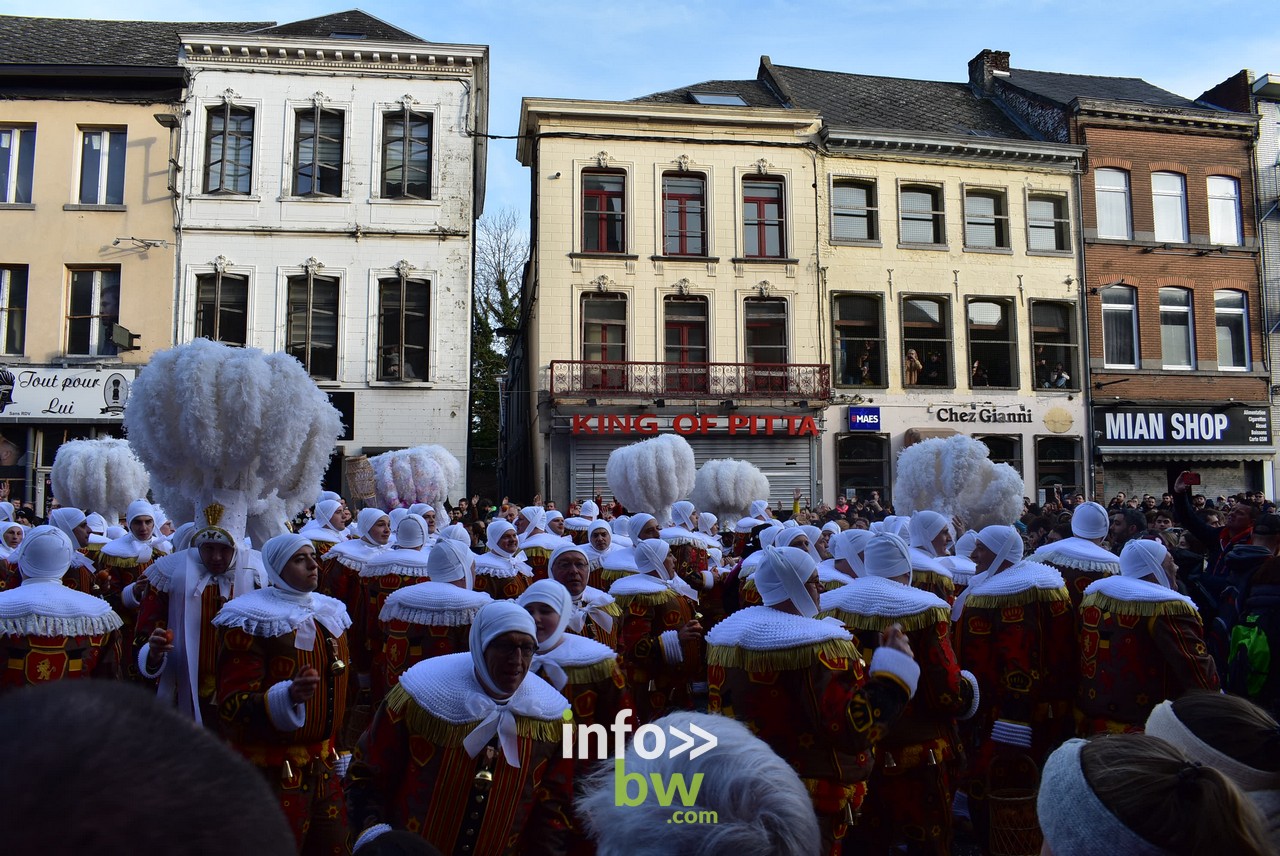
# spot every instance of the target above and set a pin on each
(502, 248)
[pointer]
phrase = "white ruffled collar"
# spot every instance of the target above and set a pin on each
(404, 562)
(762, 628)
(637, 584)
(494, 565)
(876, 596)
(674, 535)
(48, 608)
(922, 561)
(434, 604)
(1019, 578)
(271, 612)
(355, 552)
(447, 688)
(314, 531)
(129, 547)
(1140, 591)
(576, 651)
(828, 574)
(544, 541)
(1079, 554)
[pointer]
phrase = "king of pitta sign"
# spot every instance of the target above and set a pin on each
(71, 394)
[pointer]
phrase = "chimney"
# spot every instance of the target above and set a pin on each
(985, 66)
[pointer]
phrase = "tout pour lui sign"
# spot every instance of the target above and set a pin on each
(52, 394)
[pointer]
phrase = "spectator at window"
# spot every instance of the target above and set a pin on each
(912, 366)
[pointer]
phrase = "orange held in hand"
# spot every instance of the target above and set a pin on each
(168, 637)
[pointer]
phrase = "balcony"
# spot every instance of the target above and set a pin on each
(715, 381)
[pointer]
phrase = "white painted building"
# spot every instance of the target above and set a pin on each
(331, 173)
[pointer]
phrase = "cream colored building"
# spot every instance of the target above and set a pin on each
(745, 328)
(87, 219)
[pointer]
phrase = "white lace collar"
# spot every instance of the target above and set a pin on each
(1078, 554)
(434, 604)
(762, 628)
(876, 596)
(354, 553)
(447, 688)
(922, 561)
(48, 608)
(271, 612)
(129, 547)
(493, 565)
(404, 562)
(1138, 591)
(1019, 578)
(574, 651)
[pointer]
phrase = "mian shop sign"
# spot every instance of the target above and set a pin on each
(1184, 426)
(696, 423)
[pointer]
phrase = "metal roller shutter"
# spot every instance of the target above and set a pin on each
(786, 461)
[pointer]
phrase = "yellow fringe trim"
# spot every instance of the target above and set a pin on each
(451, 734)
(590, 674)
(932, 578)
(117, 561)
(1020, 598)
(1144, 608)
(612, 577)
(610, 608)
(928, 618)
(782, 659)
(622, 601)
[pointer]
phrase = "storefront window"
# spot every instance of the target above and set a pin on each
(1059, 464)
(862, 465)
(859, 340)
(1003, 449)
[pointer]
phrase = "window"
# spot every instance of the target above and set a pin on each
(1111, 188)
(1058, 465)
(404, 328)
(1229, 316)
(685, 325)
(684, 214)
(1169, 206)
(222, 308)
(1224, 211)
(604, 340)
(229, 150)
(763, 219)
(1054, 344)
(993, 345)
(1003, 449)
(13, 309)
(1177, 329)
(604, 212)
(1119, 327)
(921, 218)
(854, 215)
(1048, 225)
(95, 306)
(102, 167)
(317, 152)
(926, 341)
(986, 219)
(765, 338)
(724, 99)
(17, 164)
(313, 324)
(859, 340)
(406, 155)
(862, 466)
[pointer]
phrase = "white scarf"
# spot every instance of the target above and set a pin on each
(591, 604)
(129, 547)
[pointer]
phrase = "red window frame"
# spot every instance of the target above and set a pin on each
(755, 218)
(683, 233)
(597, 215)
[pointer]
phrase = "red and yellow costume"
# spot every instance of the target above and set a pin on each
(537, 550)
(658, 667)
(121, 563)
(1081, 563)
(389, 572)
(1016, 633)
(412, 770)
(292, 745)
(502, 577)
(424, 621)
(1140, 644)
(596, 616)
(910, 791)
(800, 686)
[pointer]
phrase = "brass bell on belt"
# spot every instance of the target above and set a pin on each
(337, 666)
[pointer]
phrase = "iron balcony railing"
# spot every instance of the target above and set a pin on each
(690, 380)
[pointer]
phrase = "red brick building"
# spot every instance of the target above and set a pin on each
(1177, 360)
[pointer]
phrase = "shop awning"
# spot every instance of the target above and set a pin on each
(917, 435)
(1187, 453)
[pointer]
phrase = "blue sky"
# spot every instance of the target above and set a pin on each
(618, 50)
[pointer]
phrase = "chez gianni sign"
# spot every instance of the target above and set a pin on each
(1184, 426)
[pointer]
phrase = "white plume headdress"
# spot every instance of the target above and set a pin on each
(653, 474)
(99, 475)
(956, 478)
(726, 487)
